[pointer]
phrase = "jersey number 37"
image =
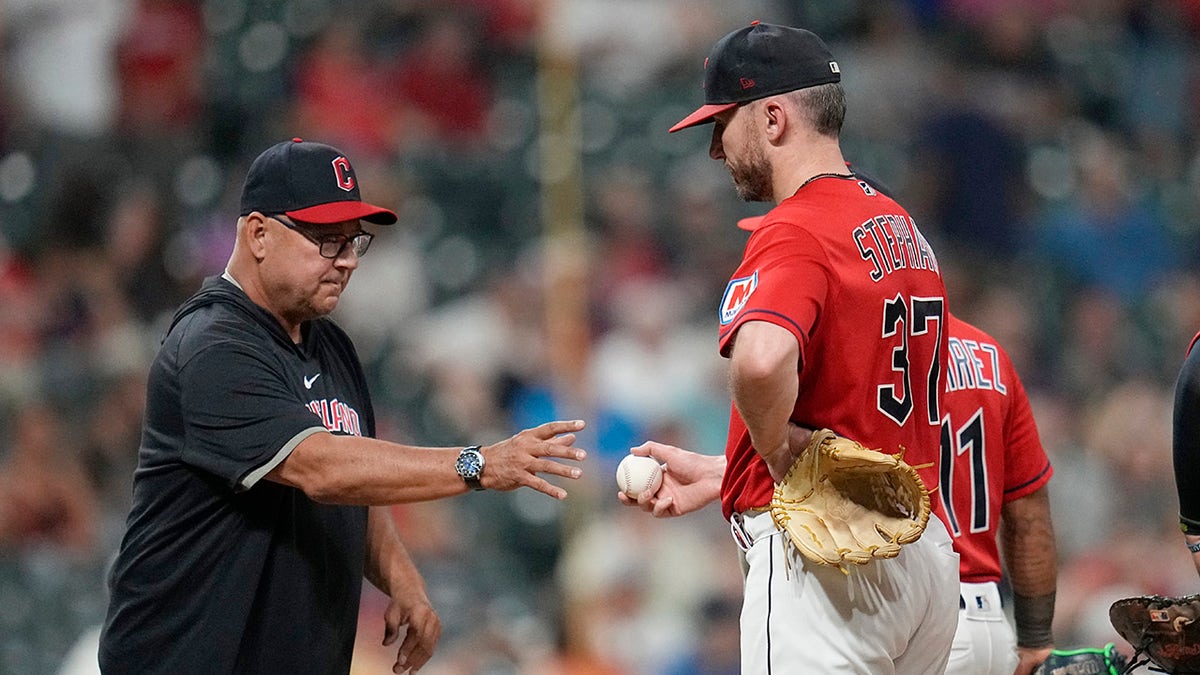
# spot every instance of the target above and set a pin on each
(915, 327)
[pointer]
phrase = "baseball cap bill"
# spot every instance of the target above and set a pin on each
(757, 61)
(311, 183)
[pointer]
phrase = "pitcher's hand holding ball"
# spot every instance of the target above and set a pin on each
(690, 481)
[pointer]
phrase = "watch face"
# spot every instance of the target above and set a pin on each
(469, 465)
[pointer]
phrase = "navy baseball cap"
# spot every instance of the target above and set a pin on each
(310, 182)
(757, 61)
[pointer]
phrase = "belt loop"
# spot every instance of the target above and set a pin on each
(738, 530)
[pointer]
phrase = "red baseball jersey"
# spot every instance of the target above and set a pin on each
(844, 268)
(991, 452)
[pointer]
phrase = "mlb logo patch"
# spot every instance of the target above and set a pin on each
(737, 294)
(1159, 615)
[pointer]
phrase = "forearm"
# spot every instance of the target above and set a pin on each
(763, 381)
(367, 471)
(388, 564)
(409, 616)
(765, 407)
(1027, 535)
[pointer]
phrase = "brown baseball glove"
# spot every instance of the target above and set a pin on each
(1163, 630)
(844, 503)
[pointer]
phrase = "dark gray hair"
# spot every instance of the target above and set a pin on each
(825, 105)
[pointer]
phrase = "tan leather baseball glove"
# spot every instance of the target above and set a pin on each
(844, 503)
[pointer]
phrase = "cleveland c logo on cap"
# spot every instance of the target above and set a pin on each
(345, 175)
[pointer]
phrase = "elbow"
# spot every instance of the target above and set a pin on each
(322, 491)
(755, 368)
(763, 352)
(315, 484)
(307, 469)
(323, 484)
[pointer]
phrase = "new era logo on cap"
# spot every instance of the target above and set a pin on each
(757, 61)
(310, 182)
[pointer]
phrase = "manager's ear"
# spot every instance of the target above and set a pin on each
(252, 231)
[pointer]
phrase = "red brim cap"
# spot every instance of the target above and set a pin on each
(703, 114)
(338, 212)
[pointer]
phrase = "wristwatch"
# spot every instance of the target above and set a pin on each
(469, 466)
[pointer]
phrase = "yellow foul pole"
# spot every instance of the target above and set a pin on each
(562, 208)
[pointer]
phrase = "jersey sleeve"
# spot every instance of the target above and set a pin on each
(240, 417)
(1028, 467)
(1185, 441)
(784, 279)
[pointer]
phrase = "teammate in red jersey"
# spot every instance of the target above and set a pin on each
(994, 475)
(834, 318)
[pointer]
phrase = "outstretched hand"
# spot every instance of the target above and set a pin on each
(518, 461)
(691, 481)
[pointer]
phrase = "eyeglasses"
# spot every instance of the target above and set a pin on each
(331, 245)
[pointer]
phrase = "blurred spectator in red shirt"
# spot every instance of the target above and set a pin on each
(442, 86)
(160, 60)
(508, 25)
(45, 497)
(340, 97)
(21, 320)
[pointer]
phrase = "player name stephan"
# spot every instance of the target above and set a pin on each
(893, 242)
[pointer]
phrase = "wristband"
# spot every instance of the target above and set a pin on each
(1034, 616)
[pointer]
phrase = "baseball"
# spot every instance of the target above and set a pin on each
(638, 474)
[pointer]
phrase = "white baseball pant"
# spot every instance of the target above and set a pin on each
(985, 643)
(889, 617)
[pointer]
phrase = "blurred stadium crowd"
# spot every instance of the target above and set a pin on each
(1048, 148)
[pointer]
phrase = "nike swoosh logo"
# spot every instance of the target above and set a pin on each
(309, 380)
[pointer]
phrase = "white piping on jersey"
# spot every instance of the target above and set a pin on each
(254, 476)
